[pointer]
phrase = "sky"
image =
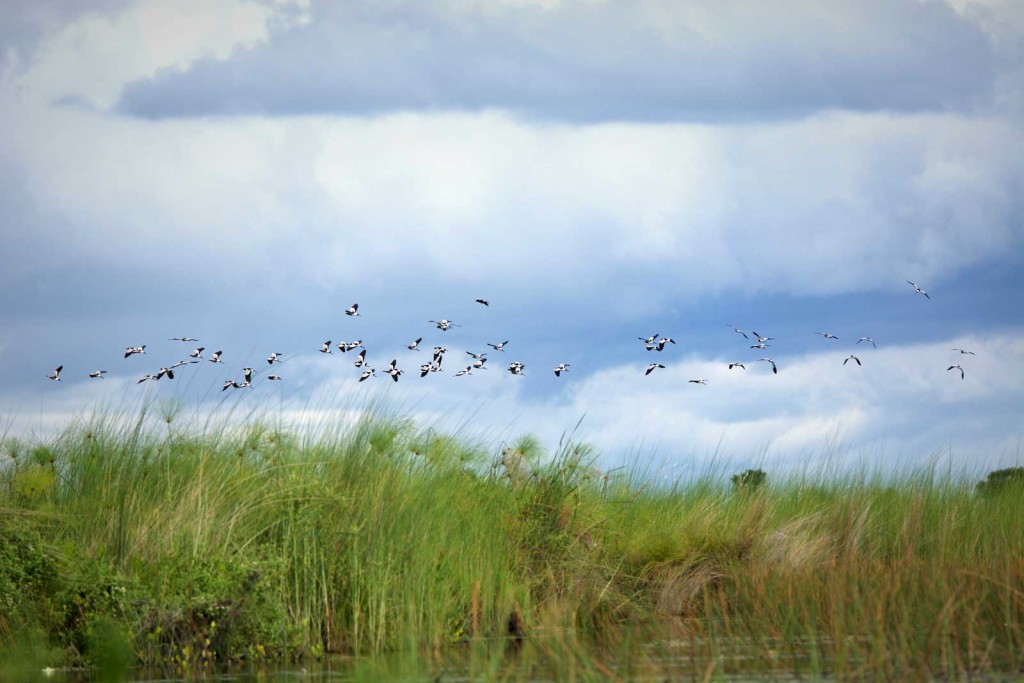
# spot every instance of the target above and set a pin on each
(242, 171)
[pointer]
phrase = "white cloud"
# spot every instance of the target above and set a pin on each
(92, 58)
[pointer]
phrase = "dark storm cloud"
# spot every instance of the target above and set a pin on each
(614, 60)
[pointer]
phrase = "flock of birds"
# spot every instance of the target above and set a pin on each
(654, 342)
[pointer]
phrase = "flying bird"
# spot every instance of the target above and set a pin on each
(275, 357)
(477, 356)
(183, 339)
(183, 362)
(958, 368)
(228, 384)
(98, 374)
(55, 375)
(325, 347)
(759, 345)
(760, 339)
(415, 345)
(851, 357)
(368, 372)
(352, 310)
(485, 302)
(827, 335)
(737, 330)
(775, 368)
(274, 378)
(918, 289)
(444, 324)
(247, 373)
(964, 351)
(215, 357)
(165, 372)
(516, 368)
(867, 339)
(652, 366)
(699, 381)
(660, 345)
(361, 360)
(737, 365)
(197, 353)
(498, 347)
(146, 378)
(468, 370)
(393, 370)
(560, 368)
(425, 369)
(132, 350)
(649, 340)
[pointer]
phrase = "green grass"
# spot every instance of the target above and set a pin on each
(186, 548)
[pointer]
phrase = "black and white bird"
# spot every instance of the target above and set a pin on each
(393, 370)
(352, 310)
(918, 289)
(230, 384)
(425, 369)
(775, 368)
(760, 339)
(360, 361)
(247, 373)
(652, 366)
(498, 347)
(349, 346)
(965, 352)
(197, 352)
(274, 378)
(367, 373)
(132, 350)
(649, 340)
(485, 302)
(146, 378)
(698, 381)
(55, 375)
(737, 365)
(325, 347)
(183, 339)
(660, 344)
(98, 374)
(468, 370)
(477, 356)
(760, 345)
(183, 362)
(414, 345)
(444, 324)
(479, 363)
(516, 368)
(215, 357)
(165, 372)
(851, 357)
(560, 368)
(827, 335)
(958, 368)
(868, 339)
(737, 330)
(274, 357)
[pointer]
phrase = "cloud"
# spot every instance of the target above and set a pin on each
(585, 62)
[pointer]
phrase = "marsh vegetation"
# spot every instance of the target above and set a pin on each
(187, 549)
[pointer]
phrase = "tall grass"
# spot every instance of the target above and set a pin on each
(248, 543)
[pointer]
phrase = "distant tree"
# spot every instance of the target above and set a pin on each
(1001, 480)
(749, 480)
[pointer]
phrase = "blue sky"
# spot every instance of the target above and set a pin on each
(242, 171)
